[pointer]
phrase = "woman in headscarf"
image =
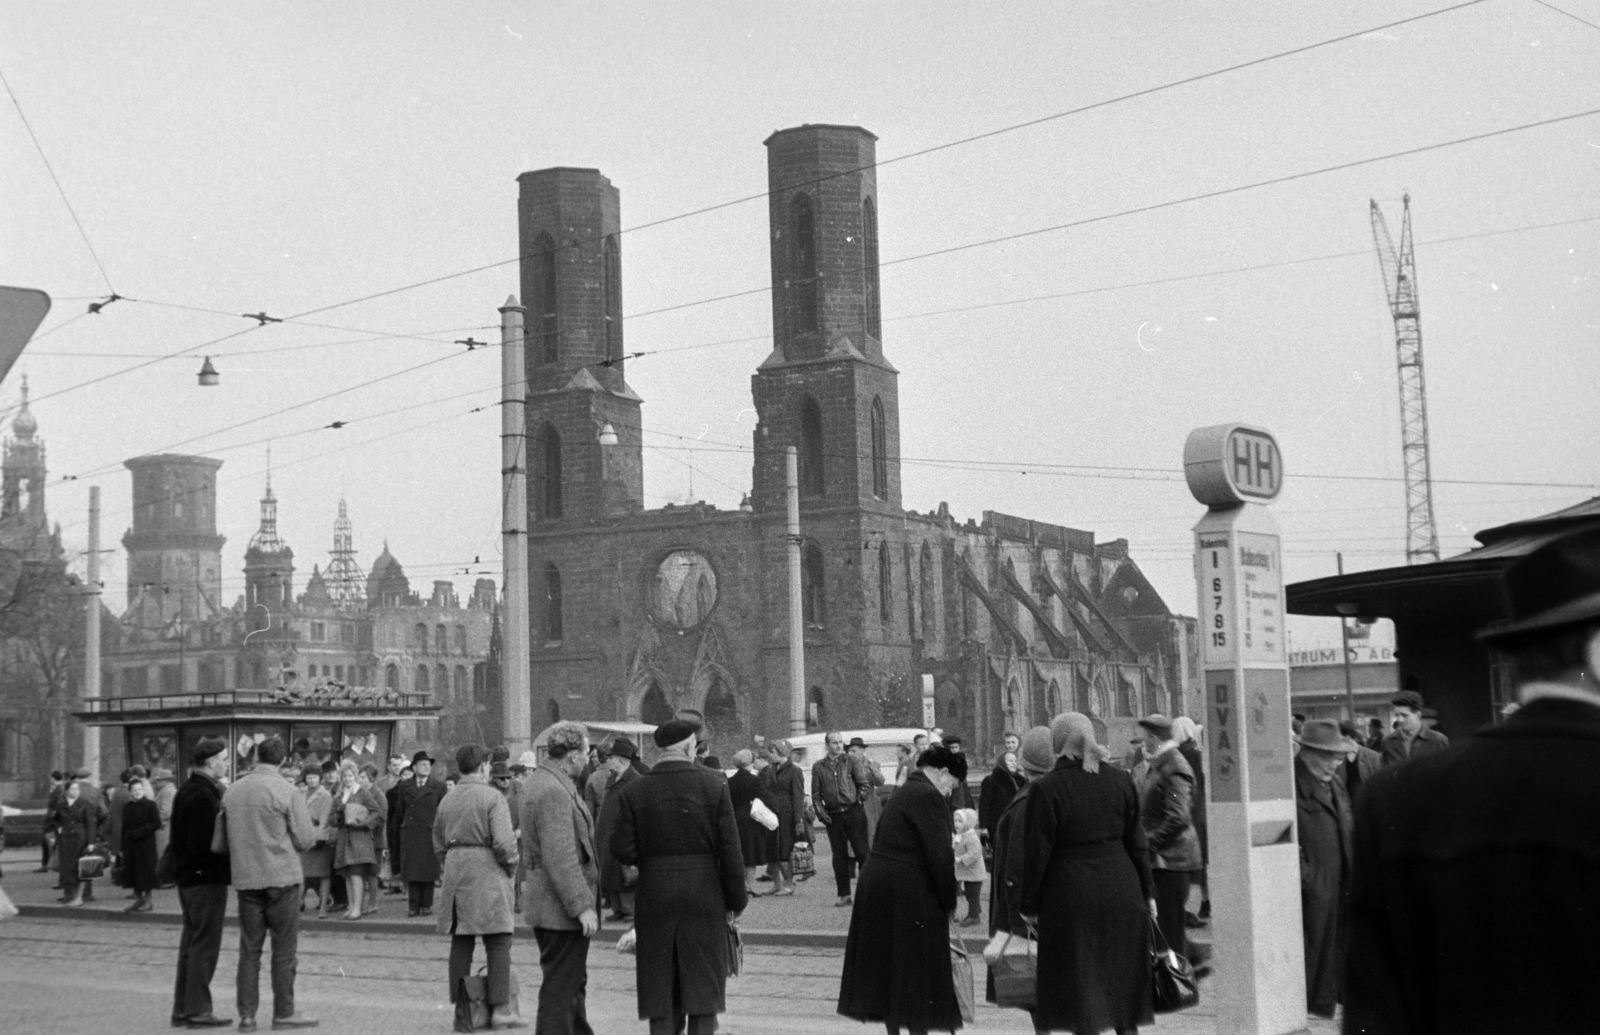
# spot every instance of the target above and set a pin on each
(1038, 756)
(317, 862)
(353, 816)
(897, 956)
(744, 787)
(1187, 733)
(1086, 888)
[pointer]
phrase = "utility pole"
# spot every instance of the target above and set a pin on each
(91, 633)
(1344, 641)
(797, 624)
(515, 664)
(1400, 285)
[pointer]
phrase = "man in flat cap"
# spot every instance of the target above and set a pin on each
(202, 877)
(1475, 889)
(676, 825)
(1322, 806)
(1165, 793)
(616, 880)
(416, 804)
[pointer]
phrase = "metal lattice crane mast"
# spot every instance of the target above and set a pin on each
(1400, 284)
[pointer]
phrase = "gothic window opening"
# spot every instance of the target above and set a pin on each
(391, 676)
(613, 298)
(869, 265)
(441, 681)
(885, 587)
(544, 282)
(654, 708)
(925, 589)
(811, 480)
(816, 708)
(461, 639)
(813, 597)
(721, 711)
(441, 641)
(549, 473)
(880, 451)
(461, 682)
(419, 638)
(1052, 699)
(421, 686)
(552, 604)
(804, 288)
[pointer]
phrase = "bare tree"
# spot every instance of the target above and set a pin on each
(41, 651)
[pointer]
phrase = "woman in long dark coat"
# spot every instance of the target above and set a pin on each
(744, 787)
(784, 789)
(141, 818)
(77, 820)
(1009, 843)
(1086, 887)
(897, 956)
(675, 823)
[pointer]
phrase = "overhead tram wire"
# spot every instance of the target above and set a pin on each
(988, 134)
(57, 181)
(1221, 192)
(1569, 14)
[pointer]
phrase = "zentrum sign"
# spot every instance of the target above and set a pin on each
(1229, 464)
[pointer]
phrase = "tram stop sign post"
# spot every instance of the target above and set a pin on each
(1254, 872)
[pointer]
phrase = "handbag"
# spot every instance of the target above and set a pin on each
(735, 950)
(803, 859)
(92, 863)
(472, 1001)
(961, 977)
(763, 815)
(1015, 970)
(1174, 985)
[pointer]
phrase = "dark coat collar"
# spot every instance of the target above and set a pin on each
(1547, 717)
(674, 765)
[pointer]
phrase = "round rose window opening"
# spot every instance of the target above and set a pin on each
(683, 590)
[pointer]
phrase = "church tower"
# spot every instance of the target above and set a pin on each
(268, 563)
(569, 221)
(826, 388)
(174, 551)
(22, 480)
(345, 580)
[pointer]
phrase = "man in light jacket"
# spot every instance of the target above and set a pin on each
(263, 827)
(563, 879)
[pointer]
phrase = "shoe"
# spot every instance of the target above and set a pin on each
(207, 1020)
(763, 879)
(1203, 970)
(247, 1024)
(351, 916)
(322, 914)
(425, 912)
(75, 903)
(42, 869)
(971, 921)
(617, 915)
(845, 901)
(179, 1022)
(1191, 921)
(142, 906)
(752, 892)
(298, 1020)
(505, 1020)
(412, 914)
(1205, 909)
(784, 891)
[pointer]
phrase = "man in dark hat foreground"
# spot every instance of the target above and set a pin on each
(416, 805)
(1323, 806)
(202, 877)
(1476, 882)
(676, 825)
(616, 880)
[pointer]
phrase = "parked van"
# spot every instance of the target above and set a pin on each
(883, 747)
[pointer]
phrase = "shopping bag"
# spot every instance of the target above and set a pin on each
(804, 860)
(961, 976)
(1015, 970)
(763, 815)
(8, 909)
(92, 863)
(1174, 984)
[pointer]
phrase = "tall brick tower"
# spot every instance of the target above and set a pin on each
(826, 389)
(174, 551)
(568, 224)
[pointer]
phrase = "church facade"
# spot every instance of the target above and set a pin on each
(639, 614)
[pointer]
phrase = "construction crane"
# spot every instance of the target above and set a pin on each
(1400, 284)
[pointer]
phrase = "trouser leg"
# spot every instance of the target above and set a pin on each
(252, 935)
(413, 896)
(702, 1024)
(973, 888)
(497, 951)
(198, 947)
(1172, 895)
(427, 896)
(564, 963)
(460, 961)
(839, 845)
(666, 1025)
(283, 920)
(857, 832)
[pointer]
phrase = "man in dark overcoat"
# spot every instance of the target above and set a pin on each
(1323, 808)
(1166, 790)
(1410, 737)
(416, 804)
(675, 823)
(1476, 884)
(202, 877)
(616, 880)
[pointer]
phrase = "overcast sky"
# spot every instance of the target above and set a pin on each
(288, 157)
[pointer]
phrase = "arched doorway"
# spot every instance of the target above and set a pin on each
(654, 708)
(721, 713)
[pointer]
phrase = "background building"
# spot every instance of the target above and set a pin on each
(638, 614)
(176, 638)
(1317, 674)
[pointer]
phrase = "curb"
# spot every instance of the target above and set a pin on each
(833, 940)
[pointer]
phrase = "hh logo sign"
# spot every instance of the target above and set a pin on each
(1253, 464)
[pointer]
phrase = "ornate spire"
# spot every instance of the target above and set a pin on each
(25, 425)
(347, 585)
(266, 538)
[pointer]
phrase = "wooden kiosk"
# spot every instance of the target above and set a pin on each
(326, 721)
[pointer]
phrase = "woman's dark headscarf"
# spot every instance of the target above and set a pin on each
(940, 757)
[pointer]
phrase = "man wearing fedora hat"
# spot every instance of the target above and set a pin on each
(1476, 880)
(1323, 807)
(416, 806)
